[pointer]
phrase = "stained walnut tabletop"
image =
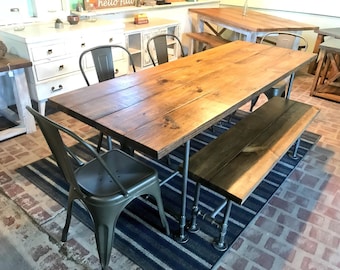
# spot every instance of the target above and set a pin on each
(253, 20)
(158, 109)
(12, 62)
(252, 25)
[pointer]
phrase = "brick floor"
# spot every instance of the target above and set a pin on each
(299, 228)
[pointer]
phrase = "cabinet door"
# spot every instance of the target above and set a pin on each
(81, 43)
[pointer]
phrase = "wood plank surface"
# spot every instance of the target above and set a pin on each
(12, 62)
(156, 110)
(254, 21)
(239, 159)
(207, 38)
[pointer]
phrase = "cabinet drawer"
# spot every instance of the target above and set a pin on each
(48, 51)
(79, 44)
(55, 87)
(56, 68)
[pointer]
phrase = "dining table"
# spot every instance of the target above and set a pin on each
(248, 23)
(13, 68)
(156, 110)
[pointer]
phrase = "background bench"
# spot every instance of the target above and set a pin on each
(239, 159)
(204, 38)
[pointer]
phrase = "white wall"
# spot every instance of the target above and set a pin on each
(324, 7)
(284, 9)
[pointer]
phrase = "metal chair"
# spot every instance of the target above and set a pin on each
(158, 49)
(103, 58)
(105, 185)
(285, 40)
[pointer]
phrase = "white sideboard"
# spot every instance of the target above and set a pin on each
(55, 52)
(137, 37)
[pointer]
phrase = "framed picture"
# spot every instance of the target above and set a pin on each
(102, 4)
(51, 8)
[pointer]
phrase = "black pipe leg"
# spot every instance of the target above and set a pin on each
(296, 148)
(219, 243)
(193, 224)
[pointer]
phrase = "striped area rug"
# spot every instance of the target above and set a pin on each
(139, 234)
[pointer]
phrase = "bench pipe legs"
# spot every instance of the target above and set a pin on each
(218, 243)
(296, 148)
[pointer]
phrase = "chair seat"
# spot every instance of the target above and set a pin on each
(126, 169)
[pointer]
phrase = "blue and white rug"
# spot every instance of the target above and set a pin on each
(139, 234)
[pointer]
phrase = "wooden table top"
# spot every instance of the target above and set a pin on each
(13, 62)
(253, 21)
(333, 32)
(332, 44)
(158, 109)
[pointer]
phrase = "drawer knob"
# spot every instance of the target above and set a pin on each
(82, 45)
(61, 67)
(110, 40)
(53, 89)
(49, 52)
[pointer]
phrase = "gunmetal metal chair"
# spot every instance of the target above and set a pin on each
(285, 40)
(103, 59)
(105, 185)
(157, 48)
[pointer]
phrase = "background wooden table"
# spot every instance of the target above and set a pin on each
(252, 25)
(14, 67)
(322, 33)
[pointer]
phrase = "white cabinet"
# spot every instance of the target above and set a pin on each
(55, 54)
(137, 37)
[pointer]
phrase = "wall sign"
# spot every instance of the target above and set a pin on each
(102, 4)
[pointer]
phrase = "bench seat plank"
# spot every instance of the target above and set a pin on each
(207, 38)
(235, 163)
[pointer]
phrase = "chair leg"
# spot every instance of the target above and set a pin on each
(253, 103)
(109, 143)
(68, 217)
(104, 229)
(272, 92)
(101, 135)
(156, 193)
(276, 92)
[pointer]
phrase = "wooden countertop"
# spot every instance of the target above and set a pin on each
(11, 62)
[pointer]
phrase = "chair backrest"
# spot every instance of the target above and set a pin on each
(286, 40)
(52, 132)
(103, 59)
(157, 48)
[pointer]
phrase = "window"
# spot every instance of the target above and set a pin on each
(30, 9)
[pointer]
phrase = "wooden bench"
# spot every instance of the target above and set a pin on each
(238, 160)
(205, 38)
